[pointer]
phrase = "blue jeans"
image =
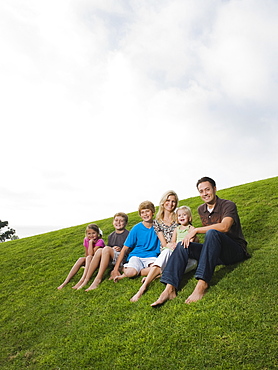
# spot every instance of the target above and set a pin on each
(218, 248)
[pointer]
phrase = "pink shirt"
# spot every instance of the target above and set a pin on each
(99, 243)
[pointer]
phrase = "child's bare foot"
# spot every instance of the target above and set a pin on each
(76, 286)
(61, 286)
(168, 293)
(137, 295)
(93, 286)
(198, 292)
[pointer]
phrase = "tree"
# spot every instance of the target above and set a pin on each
(8, 234)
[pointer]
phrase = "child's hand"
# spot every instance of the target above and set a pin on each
(188, 238)
(117, 249)
(114, 273)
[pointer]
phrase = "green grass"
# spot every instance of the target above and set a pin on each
(233, 327)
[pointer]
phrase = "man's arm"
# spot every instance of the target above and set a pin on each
(224, 226)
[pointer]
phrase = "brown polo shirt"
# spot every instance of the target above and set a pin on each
(223, 208)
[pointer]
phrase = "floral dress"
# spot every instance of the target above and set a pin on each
(166, 229)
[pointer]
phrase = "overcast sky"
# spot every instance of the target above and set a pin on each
(107, 103)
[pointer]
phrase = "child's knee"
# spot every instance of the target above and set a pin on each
(130, 272)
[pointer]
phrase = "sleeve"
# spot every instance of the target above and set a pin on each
(229, 210)
(157, 226)
(100, 243)
(85, 243)
(131, 239)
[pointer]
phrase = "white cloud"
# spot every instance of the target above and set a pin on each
(106, 104)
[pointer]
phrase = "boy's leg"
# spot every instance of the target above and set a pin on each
(131, 269)
(73, 271)
(106, 257)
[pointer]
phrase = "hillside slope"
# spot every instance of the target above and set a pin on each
(233, 327)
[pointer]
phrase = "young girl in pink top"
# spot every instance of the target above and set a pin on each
(91, 243)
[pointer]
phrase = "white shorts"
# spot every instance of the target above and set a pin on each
(139, 263)
(116, 255)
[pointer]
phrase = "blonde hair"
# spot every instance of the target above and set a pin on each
(123, 215)
(160, 213)
(187, 211)
(146, 205)
(95, 228)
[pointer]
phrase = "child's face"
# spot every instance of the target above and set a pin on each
(170, 203)
(183, 218)
(146, 215)
(92, 234)
(119, 223)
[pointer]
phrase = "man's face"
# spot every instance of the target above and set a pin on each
(207, 192)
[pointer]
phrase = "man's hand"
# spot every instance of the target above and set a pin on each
(189, 237)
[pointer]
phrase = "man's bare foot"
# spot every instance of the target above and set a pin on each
(198, 292)
(168, 293)
(93, 286)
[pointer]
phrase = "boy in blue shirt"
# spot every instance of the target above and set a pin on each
(142, 244)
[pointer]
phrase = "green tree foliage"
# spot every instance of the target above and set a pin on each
(8, 234)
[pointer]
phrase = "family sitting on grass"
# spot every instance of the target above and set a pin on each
(167, 246)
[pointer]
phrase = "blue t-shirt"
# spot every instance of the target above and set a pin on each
(143, 242)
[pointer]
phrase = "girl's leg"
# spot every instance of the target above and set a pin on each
(107, 256)
(153, 273)
(73, 271)
(95, 261)
(87, 264)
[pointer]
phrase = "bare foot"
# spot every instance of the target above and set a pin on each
(198, 292)
(95, 284)
(76, 286)
(61, 286)
(168, 293)
(119, 277)
(137, 295)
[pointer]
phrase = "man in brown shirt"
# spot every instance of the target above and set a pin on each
(224, 244)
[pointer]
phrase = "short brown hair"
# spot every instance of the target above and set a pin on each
(123, 215)
(206, 179)
(146, 205)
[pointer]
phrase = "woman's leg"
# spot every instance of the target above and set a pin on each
(153, 273)
(80, 262)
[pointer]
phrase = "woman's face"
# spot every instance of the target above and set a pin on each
(170, 204)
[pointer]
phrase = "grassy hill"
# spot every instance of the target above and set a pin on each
(233, 327)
